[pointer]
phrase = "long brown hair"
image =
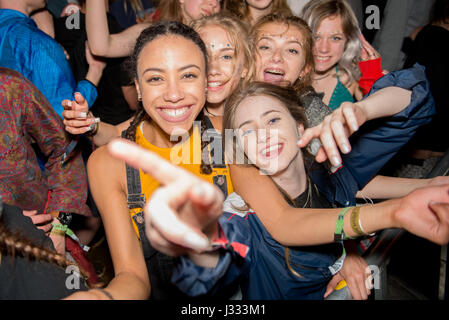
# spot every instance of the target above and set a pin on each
(240, 9)
(304, 83)
(288, 96)
(171, 10)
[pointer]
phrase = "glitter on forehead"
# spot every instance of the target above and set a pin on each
(214, 45)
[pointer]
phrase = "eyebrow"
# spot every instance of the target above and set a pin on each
(271, 39)
(261, 116)
(180, 69)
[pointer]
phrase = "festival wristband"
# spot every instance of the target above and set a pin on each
(339, 234)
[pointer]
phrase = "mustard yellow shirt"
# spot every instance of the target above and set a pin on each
(186, 154)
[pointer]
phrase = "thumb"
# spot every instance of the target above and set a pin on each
(332, 284)
(80, 99)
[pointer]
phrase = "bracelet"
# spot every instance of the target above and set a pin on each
(105, 292)
(339, 234)
(59, 227)
(355, 222)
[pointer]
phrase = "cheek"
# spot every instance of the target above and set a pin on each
(192, 9)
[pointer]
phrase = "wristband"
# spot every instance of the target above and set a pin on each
(58, 232)
(355, 222)
(339, 234)
(59, 227)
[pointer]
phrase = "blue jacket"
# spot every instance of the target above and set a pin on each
(251, 257)
(28, 50)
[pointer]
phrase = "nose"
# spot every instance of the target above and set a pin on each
(322, 45)
(173, 91)
(277, 56)
(213, 67)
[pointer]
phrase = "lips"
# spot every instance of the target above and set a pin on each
(272, 151)
(175, 114)
(273, 75)
(214, 86)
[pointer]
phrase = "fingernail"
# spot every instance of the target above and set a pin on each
(82, 115)
(345, 148)
(335, 161)
(88, 128)
(300, 142)
(97, 120)
(69, 103)
(194, 241)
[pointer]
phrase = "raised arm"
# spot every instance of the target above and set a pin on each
(102, 43)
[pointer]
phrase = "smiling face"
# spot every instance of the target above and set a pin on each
(259, 4)
(195, 9)
(267, 133)
(280, 57)
(225, 68)
(172, 81)
(330, 42)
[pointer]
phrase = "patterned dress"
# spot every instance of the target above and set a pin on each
(28, 124)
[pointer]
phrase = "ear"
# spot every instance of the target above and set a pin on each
(305, 70)
(136, 83)
(300, 129)
(244, 73)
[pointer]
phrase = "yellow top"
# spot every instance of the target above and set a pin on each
(187, 155)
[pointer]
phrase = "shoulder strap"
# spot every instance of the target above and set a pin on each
(135, 199)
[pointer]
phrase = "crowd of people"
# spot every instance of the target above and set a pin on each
(225, 148)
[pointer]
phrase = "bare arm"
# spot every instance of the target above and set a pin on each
(103, 43)
(382, 187)
(107, 182)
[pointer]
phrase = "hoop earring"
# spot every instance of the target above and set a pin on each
(139, 97)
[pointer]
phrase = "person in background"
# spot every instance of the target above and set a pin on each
(129, 12)
(40, 58)
(430, 48)
(252, 10)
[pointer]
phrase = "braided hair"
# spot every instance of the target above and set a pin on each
(165, 28)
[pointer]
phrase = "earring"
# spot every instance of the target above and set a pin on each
(139, 97)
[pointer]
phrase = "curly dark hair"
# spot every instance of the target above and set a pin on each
(164, 28)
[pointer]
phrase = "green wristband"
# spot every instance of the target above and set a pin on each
(58, 226)
(339, 234)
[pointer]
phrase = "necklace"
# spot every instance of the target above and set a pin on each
(210, 113)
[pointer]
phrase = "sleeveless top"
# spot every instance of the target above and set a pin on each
(186, 154)
(341, 94)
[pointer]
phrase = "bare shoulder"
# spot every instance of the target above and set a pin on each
(105, 170)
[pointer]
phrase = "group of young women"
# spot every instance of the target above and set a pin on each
(217, 75)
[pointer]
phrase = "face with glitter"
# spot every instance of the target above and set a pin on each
(280, 57)
(225, 65)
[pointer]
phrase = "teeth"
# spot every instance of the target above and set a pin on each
(271, 149)
(214, 84)
(175, 112)
(322, 58)
(274, 71)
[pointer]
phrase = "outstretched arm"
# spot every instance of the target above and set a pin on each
(414, 212)
(101, 42)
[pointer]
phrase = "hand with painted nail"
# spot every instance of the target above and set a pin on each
(77, 118)
(182, 214)
(334, 132)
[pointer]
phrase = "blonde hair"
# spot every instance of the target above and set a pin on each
(304, 83)
(238, 31)
(316, 11)
(239, 8)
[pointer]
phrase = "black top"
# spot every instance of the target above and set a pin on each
(430, 49)
(110, 105)
(22, 278)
